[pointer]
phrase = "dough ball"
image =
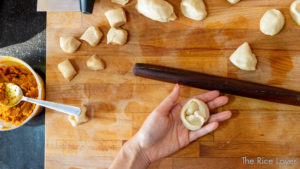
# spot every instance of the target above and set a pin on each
(194, 114)
(295, 11)
(272, 22)
(195, 120)
(243, 57)
(158, 10)
(69, 44)
(95, 63)
(233, 1)
(67, 69)
(117, 36)
(121, 2)
(82, 118)
(193, 9)
(92, 35)
(116, 17)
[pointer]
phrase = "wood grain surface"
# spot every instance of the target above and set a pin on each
(118, 102)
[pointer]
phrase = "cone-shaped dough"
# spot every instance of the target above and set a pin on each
(117, 36)
(92, 35)
(194, 114)
(82, 118)
(158, 10)
(233, 1)
(295, 11)
(243, 57)
(95, 63)
(193, 9)
(272, 22)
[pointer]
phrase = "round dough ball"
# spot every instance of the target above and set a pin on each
(194, 120)
(233, 1)
(272, 22)
(295, 11)
(158, 10)
(192, 108)
(243, 57)
(193, 9)
(69, 44)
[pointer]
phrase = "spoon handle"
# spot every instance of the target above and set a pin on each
(71, 110)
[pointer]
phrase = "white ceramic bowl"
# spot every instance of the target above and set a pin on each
(9, 60)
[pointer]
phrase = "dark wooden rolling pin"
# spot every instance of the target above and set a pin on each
(210, 82)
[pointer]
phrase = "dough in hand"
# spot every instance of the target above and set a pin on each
(117, 36)
(95, 63)
(193, 9)
(116, 17)
(295, 11)
(272, 22)
(82, 118)
(69, 44)
(92, 35)
(243, 57)
(67, 69)
(233, 1)
(158, 10)
(121, 2)
(194, 114)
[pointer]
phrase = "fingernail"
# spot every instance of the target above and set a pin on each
(176, 86)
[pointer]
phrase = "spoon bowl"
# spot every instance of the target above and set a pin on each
(14, 94)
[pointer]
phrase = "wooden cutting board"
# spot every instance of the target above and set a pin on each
(118, 102)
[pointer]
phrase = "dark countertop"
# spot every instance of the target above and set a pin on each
(23, 35)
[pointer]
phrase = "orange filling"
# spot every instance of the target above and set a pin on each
(4, 99)
(21, 76)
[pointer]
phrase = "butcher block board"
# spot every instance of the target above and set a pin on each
(118, 102)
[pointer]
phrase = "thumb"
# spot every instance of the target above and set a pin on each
(166, 105)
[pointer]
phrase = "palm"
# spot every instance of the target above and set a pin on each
(163, 132)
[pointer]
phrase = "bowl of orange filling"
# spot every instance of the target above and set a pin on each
(16, 71)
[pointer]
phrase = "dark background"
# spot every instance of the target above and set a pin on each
(23, 35)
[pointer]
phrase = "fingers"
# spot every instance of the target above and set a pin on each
(212, 125)
(203, 131)
(206, 97)
(218, 102)
(166, 105)
(219, 117)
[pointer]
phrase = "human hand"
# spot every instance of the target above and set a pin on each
(163, 132)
